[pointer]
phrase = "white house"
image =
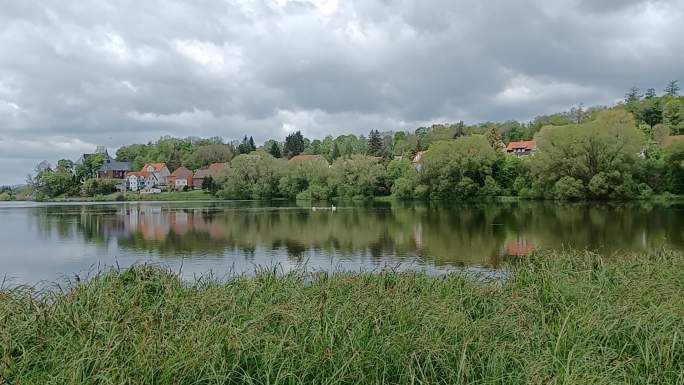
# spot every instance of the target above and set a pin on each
(160, 171)
(141, 180)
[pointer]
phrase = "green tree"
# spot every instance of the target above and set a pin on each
(674, 163)
(205, 155)
(632, 95)
(294, 145)
(375, 147)
(610, 143)
(650, 93)
(359, 177)
(672, 88)
(251, 176)
(448, 163)
(335, 152)
(275, 150)
(673, 116)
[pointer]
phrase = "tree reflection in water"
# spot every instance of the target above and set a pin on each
(443, 234)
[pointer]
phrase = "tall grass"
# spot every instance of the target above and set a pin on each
(563, 318)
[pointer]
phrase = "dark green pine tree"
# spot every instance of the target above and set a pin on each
(335, 151)
(294, 145)
(375, 147)
(275, 150)
(632, 95)
(459, 129)
(252, 146)
(244, 148)
(650, 93)
(672, 88)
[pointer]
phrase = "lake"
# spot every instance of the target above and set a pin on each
(48, 241)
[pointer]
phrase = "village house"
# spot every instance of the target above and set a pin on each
(180, 178)
(522, 148)
(202, 174)
(160, 171)
(417, 160)
(112, 169)
(142, 181)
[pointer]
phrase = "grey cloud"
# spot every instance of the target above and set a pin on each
(80, 73)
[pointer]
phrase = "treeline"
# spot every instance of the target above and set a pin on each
(608, 157)
(621, 152)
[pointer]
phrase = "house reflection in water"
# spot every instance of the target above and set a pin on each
(518, 248)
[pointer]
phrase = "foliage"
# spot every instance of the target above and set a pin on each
(294, 144)
(359, 177)
(250, 176)
(457, 168)
(203, 156)
(308, 179)
(101, 186)
(674, 174)
(609, 144)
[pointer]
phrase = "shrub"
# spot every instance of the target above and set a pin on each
(568, 188)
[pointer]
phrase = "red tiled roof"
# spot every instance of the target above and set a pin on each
(306, 158)
(181, 172)
(204, 173)
(528, 145)
(673, 138)
(157, 166)
(143, 174)
(217, 166)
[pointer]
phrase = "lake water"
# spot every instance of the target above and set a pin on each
(41, 242)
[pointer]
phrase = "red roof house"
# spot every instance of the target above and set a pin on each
(522, 148)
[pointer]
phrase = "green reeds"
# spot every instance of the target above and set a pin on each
(561, 318)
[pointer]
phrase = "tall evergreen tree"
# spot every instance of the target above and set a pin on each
(275, 150)
(335, 151)
(294, 145)
(252, 146)
(459, 129)
(672, 88)
(632, 95)
(650, 93)
(375, 147)
(244, 147)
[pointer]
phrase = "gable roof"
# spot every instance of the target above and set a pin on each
(307, 158)
(181, 172)
(143, 174)
(116, 166)
(217, 166)
(203, 173)
(157, 166)
(672, 138)
(528, 145)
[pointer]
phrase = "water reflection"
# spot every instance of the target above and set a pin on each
(454, 235)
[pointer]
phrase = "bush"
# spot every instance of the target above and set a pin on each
(568, 188)
(5, 196)
(93, 187)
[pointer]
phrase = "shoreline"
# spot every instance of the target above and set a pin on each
(206, 197)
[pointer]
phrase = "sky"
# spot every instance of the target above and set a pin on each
(75, 74)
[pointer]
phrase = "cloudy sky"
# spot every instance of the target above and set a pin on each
(75, 74)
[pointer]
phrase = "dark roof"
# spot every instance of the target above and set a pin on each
(116, 166)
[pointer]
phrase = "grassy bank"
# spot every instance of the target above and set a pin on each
(567, 318)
